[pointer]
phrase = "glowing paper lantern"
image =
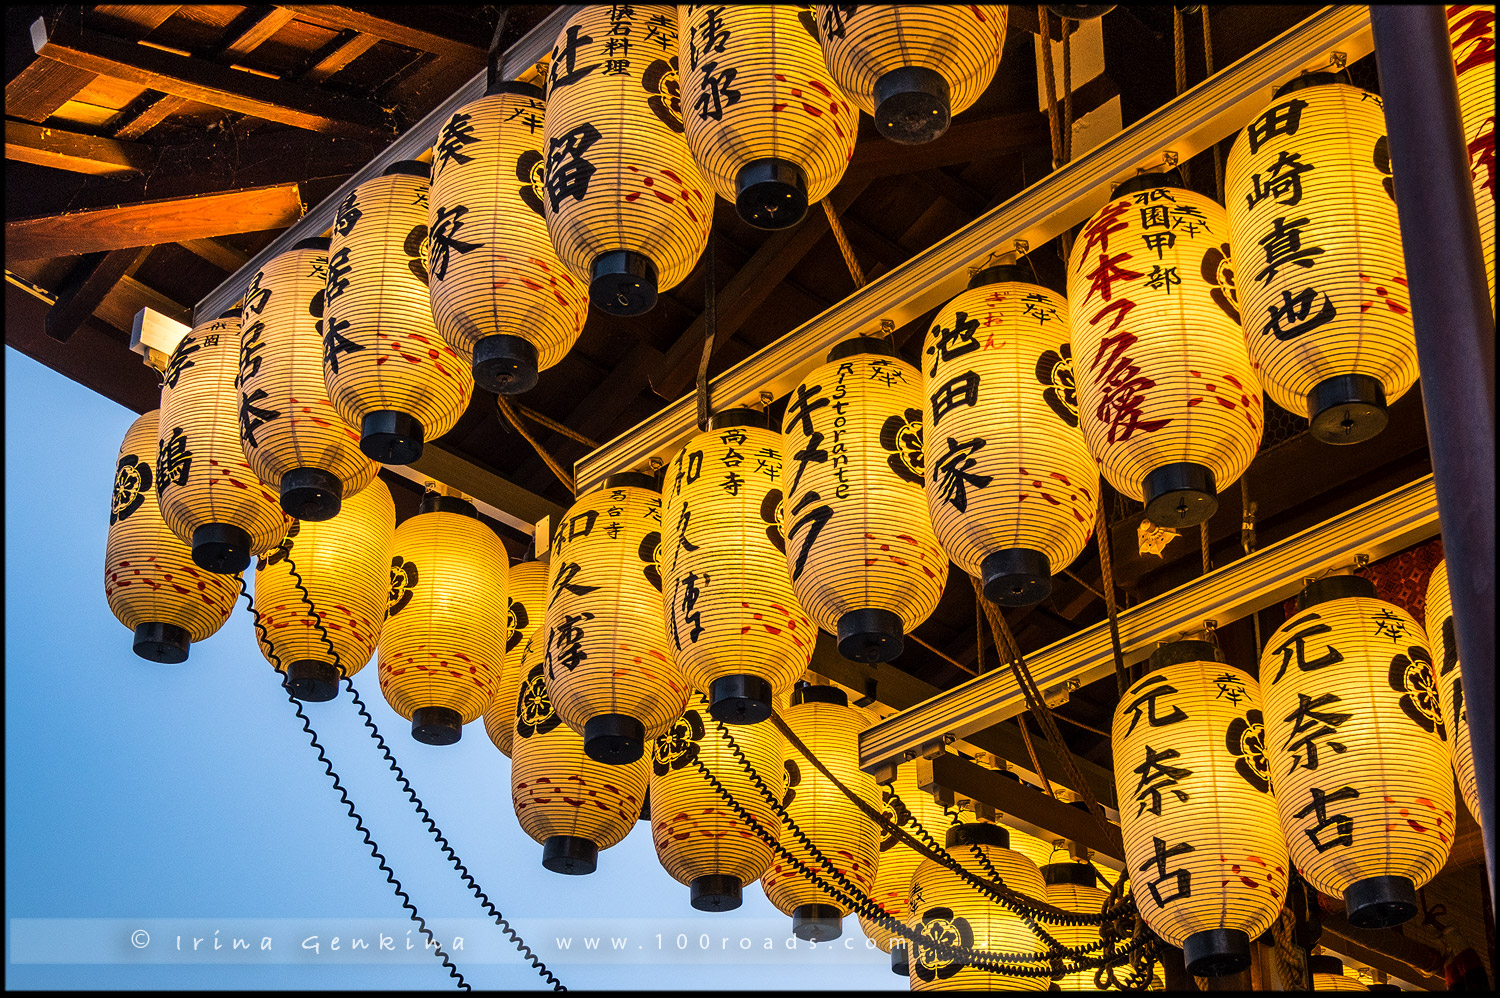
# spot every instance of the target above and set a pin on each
(1206, 857)
(565, 800)
(293, 438)
(387, 370)
(769, 128)
(528, 603)
(1167, 397)
(210, 497)
(627, 209)
(1011, 486)
(442, 644)
(1074, 887)
(736, 628)
(344, 564)
(1322, 280)
(699, 840)
(900, 802)
(820, 716)
(609, 671)
(1450, 686)
(912, 66)
(1357, 745)
(1471, 30)
(947, 907)
(864, 561)
(1328, 974)
(150, 580)
(500, 297)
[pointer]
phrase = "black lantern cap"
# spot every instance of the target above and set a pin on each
(899, 962)
(739, 699)
(1180, 495)
(817, 923)
(1177, 652)
(1216, 952)
(231, 313)
(1380, 902)
(310, 680)
(1325, 964)
(726, 419)
(911, 105)
(977, 833)
(819, 694)
(1148, 182)
(622, 282)
(391, 436)
(631, 479)
(715, 892)
(1001, 273)
(313, 243)
(1334, 587)
(1077, 874)
(1347, 409)
(614, 739)
(158, 642)
(436, 502)
(311, 494)
(771, 193)
(408, 168)
(570, 855)
(1016, 576)
(870, 635)
(505, 364)
(436, 725)
(1305, 80)
(221, 548)
(862, 344)
(496, 87)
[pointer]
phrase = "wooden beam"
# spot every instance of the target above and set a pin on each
(208, 83)
(42, 87)
(64, 150)
(484, 483)
(269, 23)
(425, 29)
(1384, 949)
(340, 55)
(86, 285)
(152, 112)
(220, 254)
(166, 221)
(129, 296)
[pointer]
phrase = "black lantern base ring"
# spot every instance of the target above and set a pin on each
(314, 682)
(870, 635)
(771, 193)
(817, 923)
(1180, 495)
(436, 725)
(1216, 952)
(739, 699)
(311, 494)
(1016, 576)
(899, 963)
(614, 739)
(390, 437)
(1347, 409)
(157, 642)
(622, 282)
(1380, 902)
(911, 105)
(716, 892)
(505, 365)
(570, 855)
(221, 548)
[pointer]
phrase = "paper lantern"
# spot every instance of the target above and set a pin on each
(209, 495)
(699, 840)
(1074, 887)
(1471, 30)
(1450, 686)
(443, 642)
(766, 124)
(1207, 862)
(500, 297)
(1322, 279)
(627, 209)
(1167, 397)
(901, 802)
(565, 800)
(864, 561)
(610, 673)
(344, 564)
(912, 66)
(947, 907)
(1357, 745)
(820, 716)
(388, 371)
(1011, 485)
(152, 585)
(293, 438)
(527, 589)
(1328, 974)
(735, 626)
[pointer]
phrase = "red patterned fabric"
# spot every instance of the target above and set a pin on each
(1400, 579)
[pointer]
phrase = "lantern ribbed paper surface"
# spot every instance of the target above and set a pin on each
(344, 563)
(699, 840)
(495, 273)
(568, 802)
(1328, 973)
(892, 890)
(736, 628)
(1322, 280)
(527, 591)
(1358, 751)
(765, 122)
(851, 842)
(1167, 397)
(150, 580)
(1011, 485)
(1471, 30)
(1450, 686)
(443, 642)
(388, 371)
(1039, 851)
(292, 436)
(1207, 862)
(864, 561)
(912, 66)
(1072, 887)
(610, 673)
(949, 908)
(210, 496)
(627, 209)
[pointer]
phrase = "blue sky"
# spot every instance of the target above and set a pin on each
(177, 801)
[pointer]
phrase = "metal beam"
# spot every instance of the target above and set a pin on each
(1383, 526)
(1216, 108)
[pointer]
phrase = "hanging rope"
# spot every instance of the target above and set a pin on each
(1054, 130)
(1036, 763)
(496, 54)
(1208, 564)
(1179, 65)
(547, 459)
(844, 247)
(1248, 543)
(710, 331)
(1106, 566)
(1068, 27)
(1208, 64)
(553, 425)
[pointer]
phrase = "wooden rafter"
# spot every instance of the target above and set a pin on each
(42, 87)
(420, 28)
(216, 252)
(85, 287)
(340, 54)
(73, 151)
(262, 29)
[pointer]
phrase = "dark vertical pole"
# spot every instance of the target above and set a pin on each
(1455, 326)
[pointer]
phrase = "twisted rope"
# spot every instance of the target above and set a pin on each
(1208, 65)
(844, 247)
(1106, 566)
(547, 459)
